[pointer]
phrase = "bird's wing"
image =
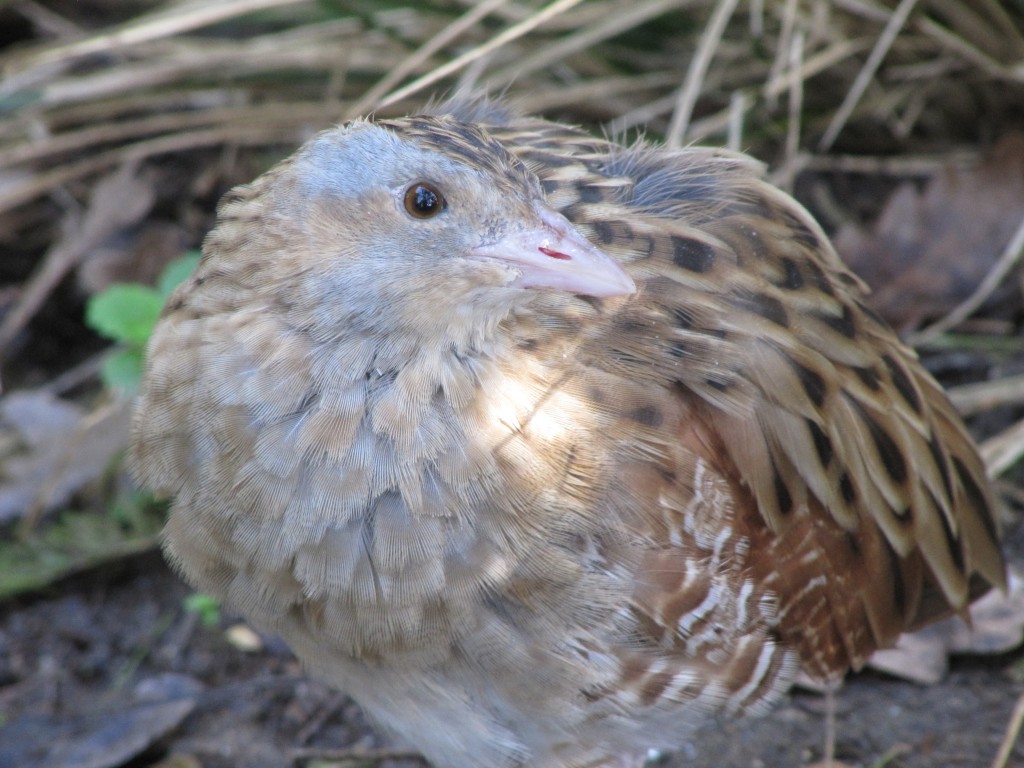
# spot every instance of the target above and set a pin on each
(863, 500)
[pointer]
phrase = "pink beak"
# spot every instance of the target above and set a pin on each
(554, 255)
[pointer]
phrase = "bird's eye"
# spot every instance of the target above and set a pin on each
(424, 201)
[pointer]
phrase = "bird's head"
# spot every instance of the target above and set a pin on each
(409, 223)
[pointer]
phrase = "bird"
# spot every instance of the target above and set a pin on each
(550, 449)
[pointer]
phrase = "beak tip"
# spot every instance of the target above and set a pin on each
(623, 286)
(554, 255)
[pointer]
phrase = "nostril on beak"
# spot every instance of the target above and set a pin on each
(555, 254)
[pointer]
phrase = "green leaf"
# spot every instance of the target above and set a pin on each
(74, 542)
(124, 312)
(206, 607)
(177, 272)
(122, 370)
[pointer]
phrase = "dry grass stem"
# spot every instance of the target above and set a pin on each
(695, 75)
(960, 47)
(1004, 450)
(796, 103)
(12, 195)
(1010, 737)
(173, 20)
(897, 167)
(783, 53)
(867, 72)
(737, 109)
(631, 15)
(1010, 258)
(472, 17)
(983, 396)
(512, 33)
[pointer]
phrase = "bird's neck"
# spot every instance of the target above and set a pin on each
(462, 399)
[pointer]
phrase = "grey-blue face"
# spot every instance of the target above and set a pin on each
(390, 223)
(368, 194)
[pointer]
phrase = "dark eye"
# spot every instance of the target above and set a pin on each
(424, 201)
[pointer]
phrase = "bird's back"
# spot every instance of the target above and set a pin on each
(750, 352)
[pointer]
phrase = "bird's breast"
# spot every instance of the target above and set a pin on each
(384, 507)
(464, 500)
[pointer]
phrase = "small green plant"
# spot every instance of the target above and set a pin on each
(127, 313)
(76, 540)
(205, 607)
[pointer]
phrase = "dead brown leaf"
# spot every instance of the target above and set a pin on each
(929, 250)
(50, 448)
(135, 257)
(118, 200)
(997, 626)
